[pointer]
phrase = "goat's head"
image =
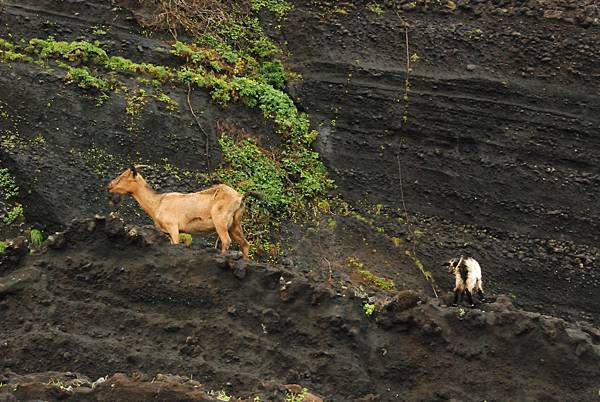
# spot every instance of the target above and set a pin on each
(453, 264)
(126, 182)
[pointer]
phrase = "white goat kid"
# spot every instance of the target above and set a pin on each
(467, 274)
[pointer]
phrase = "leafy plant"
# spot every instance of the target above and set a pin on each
(2, 249)
(12, 215)
(296, 397)
(165, 99)
(99, 30)
(220, 395)
(8, 185)
(37, 238)
(279, 7)
(71, 51)
(376, 8)
(186, 239)
(85, 79)
(369, 309)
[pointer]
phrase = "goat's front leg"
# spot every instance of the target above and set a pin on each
(173, 231)
(456, 293)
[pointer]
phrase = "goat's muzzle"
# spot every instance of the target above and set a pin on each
(115, 199)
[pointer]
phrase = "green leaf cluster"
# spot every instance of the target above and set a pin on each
(279, 7)
(8, 185)
(250, 168)
(85, 79)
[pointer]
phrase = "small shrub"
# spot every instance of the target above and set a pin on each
(186, 239)
(36, 238)
(369, 309)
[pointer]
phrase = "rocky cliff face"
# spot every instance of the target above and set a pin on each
(503, 112)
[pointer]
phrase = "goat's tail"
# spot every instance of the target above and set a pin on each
(255, 194)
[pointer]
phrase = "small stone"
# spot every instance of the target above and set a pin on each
(553, 14)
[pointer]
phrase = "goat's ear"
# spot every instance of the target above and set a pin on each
(133, 171)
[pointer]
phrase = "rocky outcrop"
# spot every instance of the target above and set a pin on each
(115, 298)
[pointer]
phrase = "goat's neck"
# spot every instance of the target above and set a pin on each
(147, 198)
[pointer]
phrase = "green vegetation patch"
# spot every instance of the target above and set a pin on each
(9, 191)
(369, 309)
(186, 239)
(289, 179)
(37, 238)
(13, 214)
(85, 79)
(8, 185)
(279, 7)
(359, 267)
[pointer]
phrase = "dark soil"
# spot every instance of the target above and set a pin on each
(499, 158)
(94, 303)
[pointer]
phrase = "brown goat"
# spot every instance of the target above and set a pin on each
(218, 208)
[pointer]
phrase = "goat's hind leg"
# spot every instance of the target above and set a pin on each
(221, 229)
(480, 291)
(469, 298)
(237, 234)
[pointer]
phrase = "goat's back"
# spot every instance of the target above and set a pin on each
(467, 273)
